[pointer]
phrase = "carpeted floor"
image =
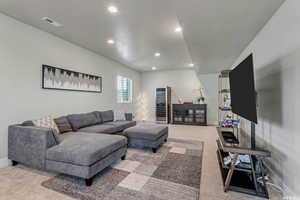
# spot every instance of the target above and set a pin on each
(174, 172)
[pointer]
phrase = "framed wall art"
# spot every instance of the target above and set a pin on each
(63, 79)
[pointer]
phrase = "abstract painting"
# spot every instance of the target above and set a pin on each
(62, 79)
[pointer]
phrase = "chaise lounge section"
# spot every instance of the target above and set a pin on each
(85, 155)
(83, 149)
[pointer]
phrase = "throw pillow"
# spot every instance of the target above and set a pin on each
(107, 116)
(129, 116)
(28, 123)
(119, 115)
(63, 124)
(46, 122)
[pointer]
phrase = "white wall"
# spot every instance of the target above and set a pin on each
(210, 84)
(184, 84)
(276, 52)
(23, 50)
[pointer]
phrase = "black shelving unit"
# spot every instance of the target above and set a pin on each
(190, 114)
(224, 89)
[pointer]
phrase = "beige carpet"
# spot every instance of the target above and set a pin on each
(21, 183)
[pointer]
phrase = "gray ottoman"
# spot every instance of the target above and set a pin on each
(147, 135)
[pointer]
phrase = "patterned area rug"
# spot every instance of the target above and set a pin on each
(173, 173)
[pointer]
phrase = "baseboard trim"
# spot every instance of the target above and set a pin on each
(4, 162)
(212, 123)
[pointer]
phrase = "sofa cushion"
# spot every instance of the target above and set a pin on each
(85, 149)
(63, 124)
(122, 125)
(146, 131)
(100, 128)
(107, 116)
(78, 121)
(66, 135)
(98, 116)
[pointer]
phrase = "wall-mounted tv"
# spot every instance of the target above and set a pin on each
(242, 90)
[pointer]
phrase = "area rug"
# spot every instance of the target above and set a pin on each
(173, 173)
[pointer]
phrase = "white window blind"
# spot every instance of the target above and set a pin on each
(124, 89)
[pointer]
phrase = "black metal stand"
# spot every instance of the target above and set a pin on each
(253, 144)
(244, 177)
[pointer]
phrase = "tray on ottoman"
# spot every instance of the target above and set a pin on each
(147, 135)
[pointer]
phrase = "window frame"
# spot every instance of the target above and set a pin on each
(120, 99)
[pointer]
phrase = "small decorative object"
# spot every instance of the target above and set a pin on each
(228, 122)
(227, 101)
(201, 99)
(62, 79)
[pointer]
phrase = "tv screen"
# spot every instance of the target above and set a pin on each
(242, 90)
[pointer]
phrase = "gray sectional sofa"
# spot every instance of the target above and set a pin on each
(89, 143)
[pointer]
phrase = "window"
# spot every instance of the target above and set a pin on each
(124, 87)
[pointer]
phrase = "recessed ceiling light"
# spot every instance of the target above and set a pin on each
(112, 9)
(157, 54)
(154, 68)
(191, 65)
(110, 41)
(178, 29)
(52, 22)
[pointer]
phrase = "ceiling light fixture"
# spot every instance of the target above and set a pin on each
(110, 41)
(191, 65)
(157, 54)
(52, 22)
(178, 29)
(112, 9)
(153, 68)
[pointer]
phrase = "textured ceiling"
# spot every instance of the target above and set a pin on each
(214, 32)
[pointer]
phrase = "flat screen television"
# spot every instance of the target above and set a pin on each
(242, 90)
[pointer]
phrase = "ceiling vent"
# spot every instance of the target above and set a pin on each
(52, 22)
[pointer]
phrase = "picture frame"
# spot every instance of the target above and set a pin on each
(63, 79)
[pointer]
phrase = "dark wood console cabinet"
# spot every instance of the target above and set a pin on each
(190, 114)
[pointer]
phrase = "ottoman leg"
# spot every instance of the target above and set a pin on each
(123, 157)
(154, 150)
(166, 140)
(14, 163)
(89, 181)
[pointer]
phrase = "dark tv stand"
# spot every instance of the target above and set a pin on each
(242, 177)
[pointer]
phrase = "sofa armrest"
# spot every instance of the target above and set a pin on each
(28, 144)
